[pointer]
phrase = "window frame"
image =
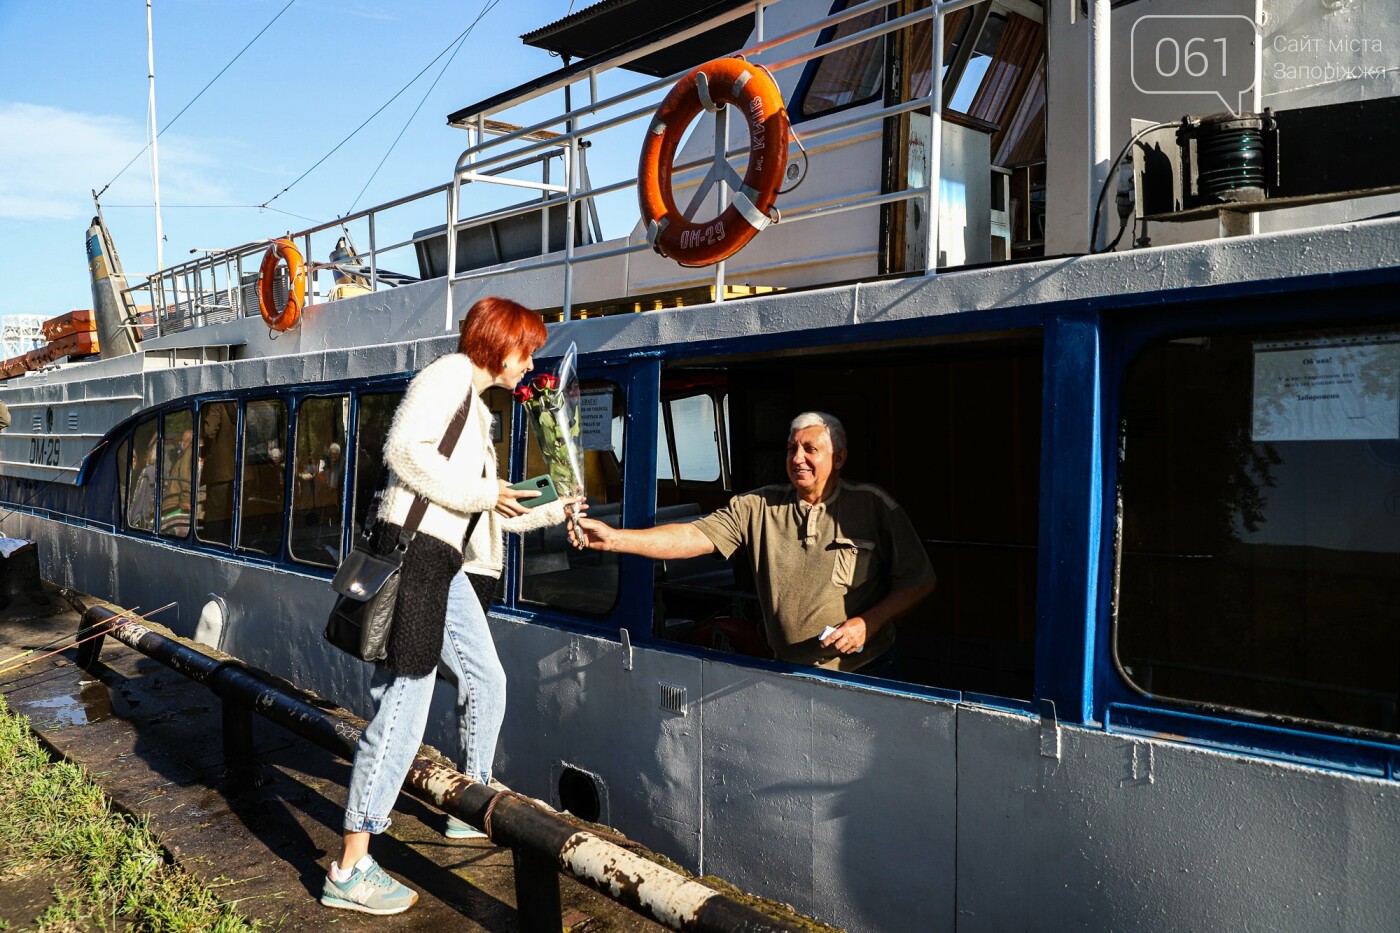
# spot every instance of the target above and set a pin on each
(1108, 700)
(1122, 684)
(346, 471)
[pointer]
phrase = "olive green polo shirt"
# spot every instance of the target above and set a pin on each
(819, 565)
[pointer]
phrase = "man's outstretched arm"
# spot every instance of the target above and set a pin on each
(664, 542)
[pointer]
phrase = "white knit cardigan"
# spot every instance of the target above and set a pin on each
(455, 488)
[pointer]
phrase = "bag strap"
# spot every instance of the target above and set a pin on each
(445, 447)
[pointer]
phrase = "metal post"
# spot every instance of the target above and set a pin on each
(544, 211)
(935, 146)
(373, 257)
(721, 185)
(570, 186)
(537, 903)
(452, 195)
(1100, 127)
(238, 267)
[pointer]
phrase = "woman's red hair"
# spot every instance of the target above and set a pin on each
(495, 328)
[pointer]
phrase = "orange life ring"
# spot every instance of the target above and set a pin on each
(286, 317)
(711, 86)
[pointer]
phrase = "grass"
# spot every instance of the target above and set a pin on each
(53, 819)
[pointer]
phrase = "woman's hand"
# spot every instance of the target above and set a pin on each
(507, 503)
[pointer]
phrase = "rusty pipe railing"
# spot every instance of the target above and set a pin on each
(542, 843)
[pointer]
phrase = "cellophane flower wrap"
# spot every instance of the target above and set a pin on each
(551, 402)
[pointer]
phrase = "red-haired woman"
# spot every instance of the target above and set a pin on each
(439, 614)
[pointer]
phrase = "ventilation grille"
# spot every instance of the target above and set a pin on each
(672, 697)
(38, 424)
(72, 421)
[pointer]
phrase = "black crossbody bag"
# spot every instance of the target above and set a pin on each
(367, 583)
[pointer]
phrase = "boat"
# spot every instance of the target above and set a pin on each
(1133, 376)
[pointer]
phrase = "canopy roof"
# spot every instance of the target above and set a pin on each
(609, 24)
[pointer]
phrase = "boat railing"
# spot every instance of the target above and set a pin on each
(222, 285)
(567, 134)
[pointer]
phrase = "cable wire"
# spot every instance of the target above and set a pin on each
(367, 120)
(1112, 174)
(460, 42)
(198, 96)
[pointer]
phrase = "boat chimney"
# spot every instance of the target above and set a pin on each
(112, 306)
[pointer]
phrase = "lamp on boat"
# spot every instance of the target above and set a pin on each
(1227, 157)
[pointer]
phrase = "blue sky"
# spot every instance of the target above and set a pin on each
(73, 97)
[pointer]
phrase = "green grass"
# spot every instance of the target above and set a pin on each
(54, 819)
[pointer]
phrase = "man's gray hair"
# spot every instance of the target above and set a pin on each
(820, 419)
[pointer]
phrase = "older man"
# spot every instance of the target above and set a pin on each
(835, 562)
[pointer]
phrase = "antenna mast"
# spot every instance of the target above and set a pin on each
(155, 152)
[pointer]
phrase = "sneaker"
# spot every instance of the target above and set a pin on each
(369, 890)
(459, 829)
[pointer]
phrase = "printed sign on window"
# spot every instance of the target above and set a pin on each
(595, 411)
(1326, 390)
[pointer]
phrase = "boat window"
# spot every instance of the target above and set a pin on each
(846, 78)
(263, 492)
(697, 440)
(318, 486)
(1259, 559)
(176, 473)
(553, 573)
(953, 435)
(977, 65)
(123, 464)
(141, 500)
(218, 436)
(376, 413)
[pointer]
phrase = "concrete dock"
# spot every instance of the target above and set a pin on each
(151, 739)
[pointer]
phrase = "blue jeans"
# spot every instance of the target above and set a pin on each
(390, 741)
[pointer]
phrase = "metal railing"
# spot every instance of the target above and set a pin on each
(542, 842)
(221, 285)
(482, 154)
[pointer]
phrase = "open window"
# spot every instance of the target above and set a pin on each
(952, 433)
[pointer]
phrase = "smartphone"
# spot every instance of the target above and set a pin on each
(543, 484)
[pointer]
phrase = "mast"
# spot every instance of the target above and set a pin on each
(155, 151)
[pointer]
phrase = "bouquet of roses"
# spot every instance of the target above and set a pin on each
(551, 402)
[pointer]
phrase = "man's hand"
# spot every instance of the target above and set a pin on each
(849, 637)
(589, 534)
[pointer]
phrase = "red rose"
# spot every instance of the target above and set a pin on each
(546, 381)
(523, 393)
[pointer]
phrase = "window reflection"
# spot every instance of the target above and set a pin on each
(376, 413)
(1260, 553)
(264, 476)
(318, 486)
(176, 474)
(553, 573)
(218, 436)
(145, 457)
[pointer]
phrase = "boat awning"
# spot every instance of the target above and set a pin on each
(611, 23)
(611, 28)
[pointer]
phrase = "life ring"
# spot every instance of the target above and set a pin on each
(710, 87)
(286, 317)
